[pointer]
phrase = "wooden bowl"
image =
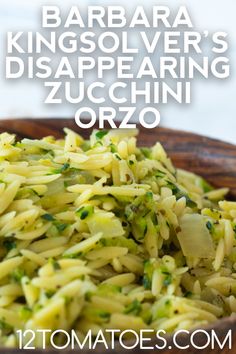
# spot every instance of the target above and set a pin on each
(213, 159)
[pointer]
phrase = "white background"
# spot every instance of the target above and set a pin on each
(213, 108)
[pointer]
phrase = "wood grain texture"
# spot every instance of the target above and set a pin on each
(213, 159)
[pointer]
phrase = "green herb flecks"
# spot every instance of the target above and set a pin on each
(55, 264)
(85, 211)
(63, 169)
(100, 134)
(168, 279)
(146, 152)
(179, 194)
(133, 308)
(48, 217)
(25, 313)
(17, 275)
(61, 226)
(9, 244)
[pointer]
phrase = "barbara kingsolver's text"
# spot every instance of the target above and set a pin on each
(110, 63)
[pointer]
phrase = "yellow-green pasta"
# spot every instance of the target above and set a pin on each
(100, 234)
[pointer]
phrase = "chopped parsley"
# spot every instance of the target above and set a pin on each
(133, 308)
(209, 226)
(17, 275)
(48, 217)
(118, 157)
(188, 294)
(25, 313)
(160, 174)
(113, 148)
(85, 211)
(9, 244)
(147, 283)
(179, 194)
(49, 293)
(100, 134)
(149, 196)
(64, 168)
(168, 279)
(61, 227)
(4, 325)
(55, 264)
(105, 315)
(146, 152)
